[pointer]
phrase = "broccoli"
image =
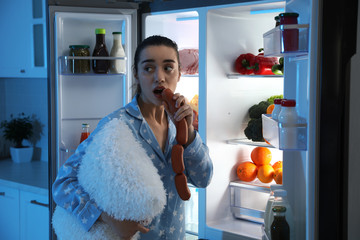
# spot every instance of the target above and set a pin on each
(271, 99)
(253, 131)
(258, 109)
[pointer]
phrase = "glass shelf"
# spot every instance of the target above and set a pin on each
(290, 40)
(285, 137)
(237, 76)
(245, 141)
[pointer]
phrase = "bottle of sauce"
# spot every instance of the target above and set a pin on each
(85, 132)
(267, 220)
(280, 229)
(117, 50)
(288, 118)
(100, 50)
(280, 199)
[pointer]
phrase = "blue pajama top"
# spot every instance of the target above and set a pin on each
(68, 193)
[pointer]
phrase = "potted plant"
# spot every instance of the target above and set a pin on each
(16, 130)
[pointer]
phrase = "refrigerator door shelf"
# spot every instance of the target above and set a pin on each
(287, 40)
(285, 137)
(69, 65)
(245, 207)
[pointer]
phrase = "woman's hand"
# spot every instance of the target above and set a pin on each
(125, 229)
(184, 110)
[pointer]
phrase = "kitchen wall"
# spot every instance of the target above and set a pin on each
(28, 95)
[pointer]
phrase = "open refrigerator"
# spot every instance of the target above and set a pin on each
(227, 208)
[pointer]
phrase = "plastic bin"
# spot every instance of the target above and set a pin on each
(273, 132)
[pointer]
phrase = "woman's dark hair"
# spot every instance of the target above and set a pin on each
(155, 40)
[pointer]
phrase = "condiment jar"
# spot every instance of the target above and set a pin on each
(117, 50)
(79, 65)
(290, 36)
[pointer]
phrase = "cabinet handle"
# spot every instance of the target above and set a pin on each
(2, 193)
(39, 203)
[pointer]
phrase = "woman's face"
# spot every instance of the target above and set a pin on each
(158, 68)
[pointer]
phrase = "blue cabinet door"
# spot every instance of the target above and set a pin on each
(34, 216)
(9, 214)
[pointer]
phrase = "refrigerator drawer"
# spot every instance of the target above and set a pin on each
(285, 137)
(248, 201)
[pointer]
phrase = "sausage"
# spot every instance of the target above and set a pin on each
(182, 187)
(181, 131)
(177, 152)
(177, 162)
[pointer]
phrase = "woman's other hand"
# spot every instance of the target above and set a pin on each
(125, 229)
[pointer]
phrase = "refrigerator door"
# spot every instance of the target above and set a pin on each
(77, 98)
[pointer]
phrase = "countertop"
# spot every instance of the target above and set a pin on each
(31, 176)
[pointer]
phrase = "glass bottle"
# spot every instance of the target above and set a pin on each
(280, 229)
(288, 118)
(280, 199)
(100, 50)
(267, 220)
(290, 37)
(85, 132)
(117, 50)
(79, 65)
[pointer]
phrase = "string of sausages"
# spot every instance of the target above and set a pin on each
(177, 151)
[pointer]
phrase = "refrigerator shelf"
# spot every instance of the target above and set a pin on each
(248, 200)
(237, 76)
(287, 40)
(285, 137)
(245, 141)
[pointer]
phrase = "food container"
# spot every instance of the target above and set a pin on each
(79, 65)
(290, 36)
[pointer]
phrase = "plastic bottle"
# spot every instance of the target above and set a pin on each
(277, 108)
(85, 132)
(117, 50)
(280, 229)
(288, 118)
(100, 50)
(280, 199)
(269, 203)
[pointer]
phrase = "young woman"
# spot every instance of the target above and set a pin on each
(156, 66)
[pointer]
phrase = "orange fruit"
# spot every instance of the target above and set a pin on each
(261, 156)
(270, 109)
(277, 165)
(265, 173)
(278, 175)
(246, 171)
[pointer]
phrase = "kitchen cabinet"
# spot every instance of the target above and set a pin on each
(34, 216)
(23, 41)
(10, 213)
(24, 214)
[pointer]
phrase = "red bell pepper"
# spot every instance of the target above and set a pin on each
(263, 65)
(244, 64)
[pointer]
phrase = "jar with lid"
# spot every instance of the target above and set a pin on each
(100, 50)
(280, 229)
(117, 50)
(79, 65)
(288, 119)
(290, 36)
